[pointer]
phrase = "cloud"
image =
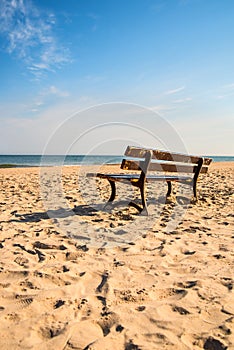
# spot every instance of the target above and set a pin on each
(55, 91)
(226, 92)
(95, 19)
(229, 86)
(161, 109)
(45, 98)
(221, 97)
(25, 133)
(174, 91)
(159, 6)
(29, 35)
(182, 100)
(94, 78)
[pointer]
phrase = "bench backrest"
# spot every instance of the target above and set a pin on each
(164, 161)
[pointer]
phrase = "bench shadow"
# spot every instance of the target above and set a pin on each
(61, 213)
(80, 210)
(87, 210)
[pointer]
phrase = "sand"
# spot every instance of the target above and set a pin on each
(113, 279)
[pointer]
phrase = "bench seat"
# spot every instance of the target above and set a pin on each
(134, 177)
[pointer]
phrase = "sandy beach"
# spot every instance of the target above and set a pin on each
(162, 284)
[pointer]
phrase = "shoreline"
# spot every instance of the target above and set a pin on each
(13, 166)
(18, 166)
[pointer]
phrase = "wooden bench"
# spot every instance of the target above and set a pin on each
(146, 160)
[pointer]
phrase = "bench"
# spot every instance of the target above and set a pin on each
(146, 160)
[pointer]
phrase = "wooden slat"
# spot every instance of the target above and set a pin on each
(165, 167)
(134, 177)
(137, 152)
(130, 165)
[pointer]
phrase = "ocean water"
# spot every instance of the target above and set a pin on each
(50, 160)
(222, 158)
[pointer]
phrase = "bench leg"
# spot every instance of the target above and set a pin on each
(199, 167)
(113, 191)
(144, 210)
(195, 189)
(169, 188)
(141, 208)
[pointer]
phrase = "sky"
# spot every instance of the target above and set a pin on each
(175, 58)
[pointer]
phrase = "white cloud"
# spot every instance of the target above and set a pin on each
(76, 130)
(182, 100)
(37, 104)
(225, 91)
(229, 86)
(30, 132)
(46, 98)
(221, 97)
(29, 35)
(174, 91)
(55, 91)
(26, 133)
(200, 140)
(161, 109)
(94, 78)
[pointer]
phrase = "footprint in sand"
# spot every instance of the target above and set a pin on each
(214, 344)
(172, 293)
(187, 284)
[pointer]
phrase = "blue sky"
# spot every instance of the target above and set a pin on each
(175, 57)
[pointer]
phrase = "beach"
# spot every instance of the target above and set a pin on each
(95, 279)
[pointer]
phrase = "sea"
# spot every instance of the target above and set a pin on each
(8, 161)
